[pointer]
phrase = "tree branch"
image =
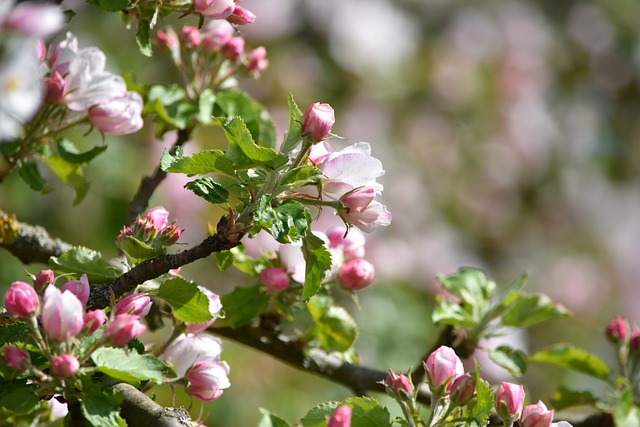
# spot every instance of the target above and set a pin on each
(138, 410)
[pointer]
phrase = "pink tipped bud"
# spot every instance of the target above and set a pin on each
(123, 328)
(356, 274)
(62, 314)
(214, 9)
(257, 61)
(353, 243)
(509, 401)
(169, 235)
(137, 305)
(398, 382)
(233, 48)
(17, 358)
(341, 417)
(318, 121)
(65, 365)
(536, 416)
(191, 36)
(442, 367)
(158, 216)
(166, 40)
(275, 279)
(617, 330)
(634, 340)
(34, 19)
(93, 320)
(461, 389)
(44, 279)
(358, 200)
(80, 288)
(241, 16)
(207, 380)
(55, 86)
(216, 34)
(21, 300)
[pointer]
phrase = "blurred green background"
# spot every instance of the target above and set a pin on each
(509, 133)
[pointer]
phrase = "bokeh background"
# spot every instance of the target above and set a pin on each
(509, 131)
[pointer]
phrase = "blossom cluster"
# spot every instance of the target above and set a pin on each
(154, 230)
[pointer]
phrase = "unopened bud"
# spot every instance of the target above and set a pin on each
(461, 389)
(233, 48)
(318, 121)
(398, 382)
(617, 330)
(43, 279)
(241, 16)
(356, 274)
(275, 279)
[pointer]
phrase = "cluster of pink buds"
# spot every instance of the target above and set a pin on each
(356, 272)
(63, 317)
(154, 229)
(627, 342)
(210, 56)
(509, 405)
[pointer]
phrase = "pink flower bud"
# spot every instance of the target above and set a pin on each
(216, 34)
(442, 367)
(188, 349)
(123, 328)
(233, 48)
(634, 340)
(120, 115)
(191, 36)
(241, 16)
(353, 243)
(158, 216)
(509, 401)
(257, 61)
(33, 19)
(55, 86)
(137, 305)
(398, 382)
(42, 50)
(358, 200)
(166, 40)
(536, 416)
(617, 330)
(93, 320)
(461, 389)
(214, 9)
(62, 314)
(318, 121)
(65, 365)
(207, 380)
(341, 417)
(21, 300)
(80, 288)
(44, 279)
(17, 358)
(356, 274)
(215, 306)
(169, 235)
(275, 279)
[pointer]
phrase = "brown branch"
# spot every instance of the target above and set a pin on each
(138, 410)
(149, 184)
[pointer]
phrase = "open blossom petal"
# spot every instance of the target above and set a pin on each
(35, 19)
(62, 314)
(374, 216)
(350, 168)
(120, 115)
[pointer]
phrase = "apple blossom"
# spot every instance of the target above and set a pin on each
(617, 330)
(207, 380)
(191, 36)
(167, 40)
(137, 305)
(634, 340)
(158, 216)
(65, 365)
(241, 16)
(319, 152)
(373, 216)
(214, 9)
(188, 349)
(21, 300)
(93, 319)
(38, 20)
(356, 274)
(80, 288)
(536, 415)
(398, 382)
(55, 86)
(123, 328)
(461, 389)
(257, 61)
(43, 279)
(120, 115)
(233, 48)
(216, 34)
(341, 417)
(16, 358)
(442, 366)
(275, 279)
(318, 121)
(62, 314)
(509, 401)
(351, 243)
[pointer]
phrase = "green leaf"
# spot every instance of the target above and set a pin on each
(18, 397)
(170, 105)
(270, 420)
(188, 303)
(139, 251)
(207, 188)
(515, 361)
(243, 305)
(318, 263)
(223, 259)
(110, 5)
(303, 175)
(531, 310)
(30, 174)
(571, 357)
(129, 366)
(69, 152)
(471, 285)
(334, 327)
(366, 412)
(451, 313)
(626, 413)
(201, 163)
(206, 102)
(101, 407)
(565, 398)
(12, 330)
(233, 103)
(483, 404)
(244, 152)
(80, 260)
(294, 133)
(287, 222)
(142, 37)
(318, 416)
(71, 174)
